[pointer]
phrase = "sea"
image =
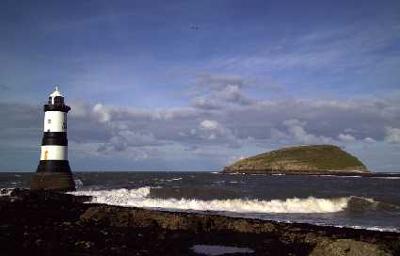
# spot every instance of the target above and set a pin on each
(344, 201)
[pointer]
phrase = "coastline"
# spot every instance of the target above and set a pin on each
(314, 173)
(48, 223)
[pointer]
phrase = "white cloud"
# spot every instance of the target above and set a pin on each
(392, 135)
(209, 124)
(102, 113)
(299, 134)
(369, 140)
(346, 137)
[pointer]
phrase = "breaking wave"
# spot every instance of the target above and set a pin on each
(387, 178)
(139, 198)
(78, 183)
(6, 191)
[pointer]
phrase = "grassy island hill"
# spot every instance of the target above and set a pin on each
(313, 159)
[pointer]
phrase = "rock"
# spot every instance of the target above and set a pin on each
(314, 159)
(35, 224)
(38, 242)
(84, 244)
(348, 247)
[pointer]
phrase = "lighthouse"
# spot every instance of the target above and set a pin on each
(53, 171)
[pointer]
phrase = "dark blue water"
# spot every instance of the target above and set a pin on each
(359, 202)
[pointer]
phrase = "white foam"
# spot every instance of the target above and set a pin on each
(387, 178)
(78, 182)
(374, 228)
(339, 176)
(6, 191)
(139, 198)
(168, 180)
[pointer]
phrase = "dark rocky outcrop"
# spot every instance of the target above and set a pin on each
(49, 223)
(314, 159)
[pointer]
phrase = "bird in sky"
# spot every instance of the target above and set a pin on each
(194, 27)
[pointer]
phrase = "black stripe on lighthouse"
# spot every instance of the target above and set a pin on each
(54, 166)
(55, 138)
(56, 107)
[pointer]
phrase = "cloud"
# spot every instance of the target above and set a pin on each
(298, 133)
(218, 82)
(232, 93)
(19, 122)
(4, 87)
(213, 130)
(369, 140)
(204, 103)
(319, 60)
(200, 135)
(347, 137)
(392, 135)
(215, 92)
(209, 125)
(102, 113)
(346, 47)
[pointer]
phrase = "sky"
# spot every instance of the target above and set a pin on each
(197, 85)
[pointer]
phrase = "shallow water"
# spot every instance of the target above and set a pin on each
(215, 250)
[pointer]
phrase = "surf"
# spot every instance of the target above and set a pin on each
(140, 198)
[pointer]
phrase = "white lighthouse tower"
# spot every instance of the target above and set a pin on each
(53, 171)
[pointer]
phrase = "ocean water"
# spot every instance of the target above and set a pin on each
(358, 202)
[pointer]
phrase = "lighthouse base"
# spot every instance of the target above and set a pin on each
(54, 181)
(54, 175)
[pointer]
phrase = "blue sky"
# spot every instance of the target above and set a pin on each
(195, 85)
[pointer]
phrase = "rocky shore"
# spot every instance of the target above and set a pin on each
(49, 223)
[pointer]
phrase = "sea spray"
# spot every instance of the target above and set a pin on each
(139, 198)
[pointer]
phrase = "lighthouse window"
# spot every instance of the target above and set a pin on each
(58, 100)
(49, 121)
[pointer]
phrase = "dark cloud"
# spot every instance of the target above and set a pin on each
(20, 121)
(4, 87)
(216, 92)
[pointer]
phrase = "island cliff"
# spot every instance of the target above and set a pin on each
(313, 159)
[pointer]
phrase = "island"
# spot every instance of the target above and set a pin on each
(301, 160)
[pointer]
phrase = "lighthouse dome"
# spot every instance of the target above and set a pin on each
(56, 93)
(56, 97)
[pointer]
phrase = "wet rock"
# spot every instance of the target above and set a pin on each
(35, 223)
(84, 244)
(348, 247)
